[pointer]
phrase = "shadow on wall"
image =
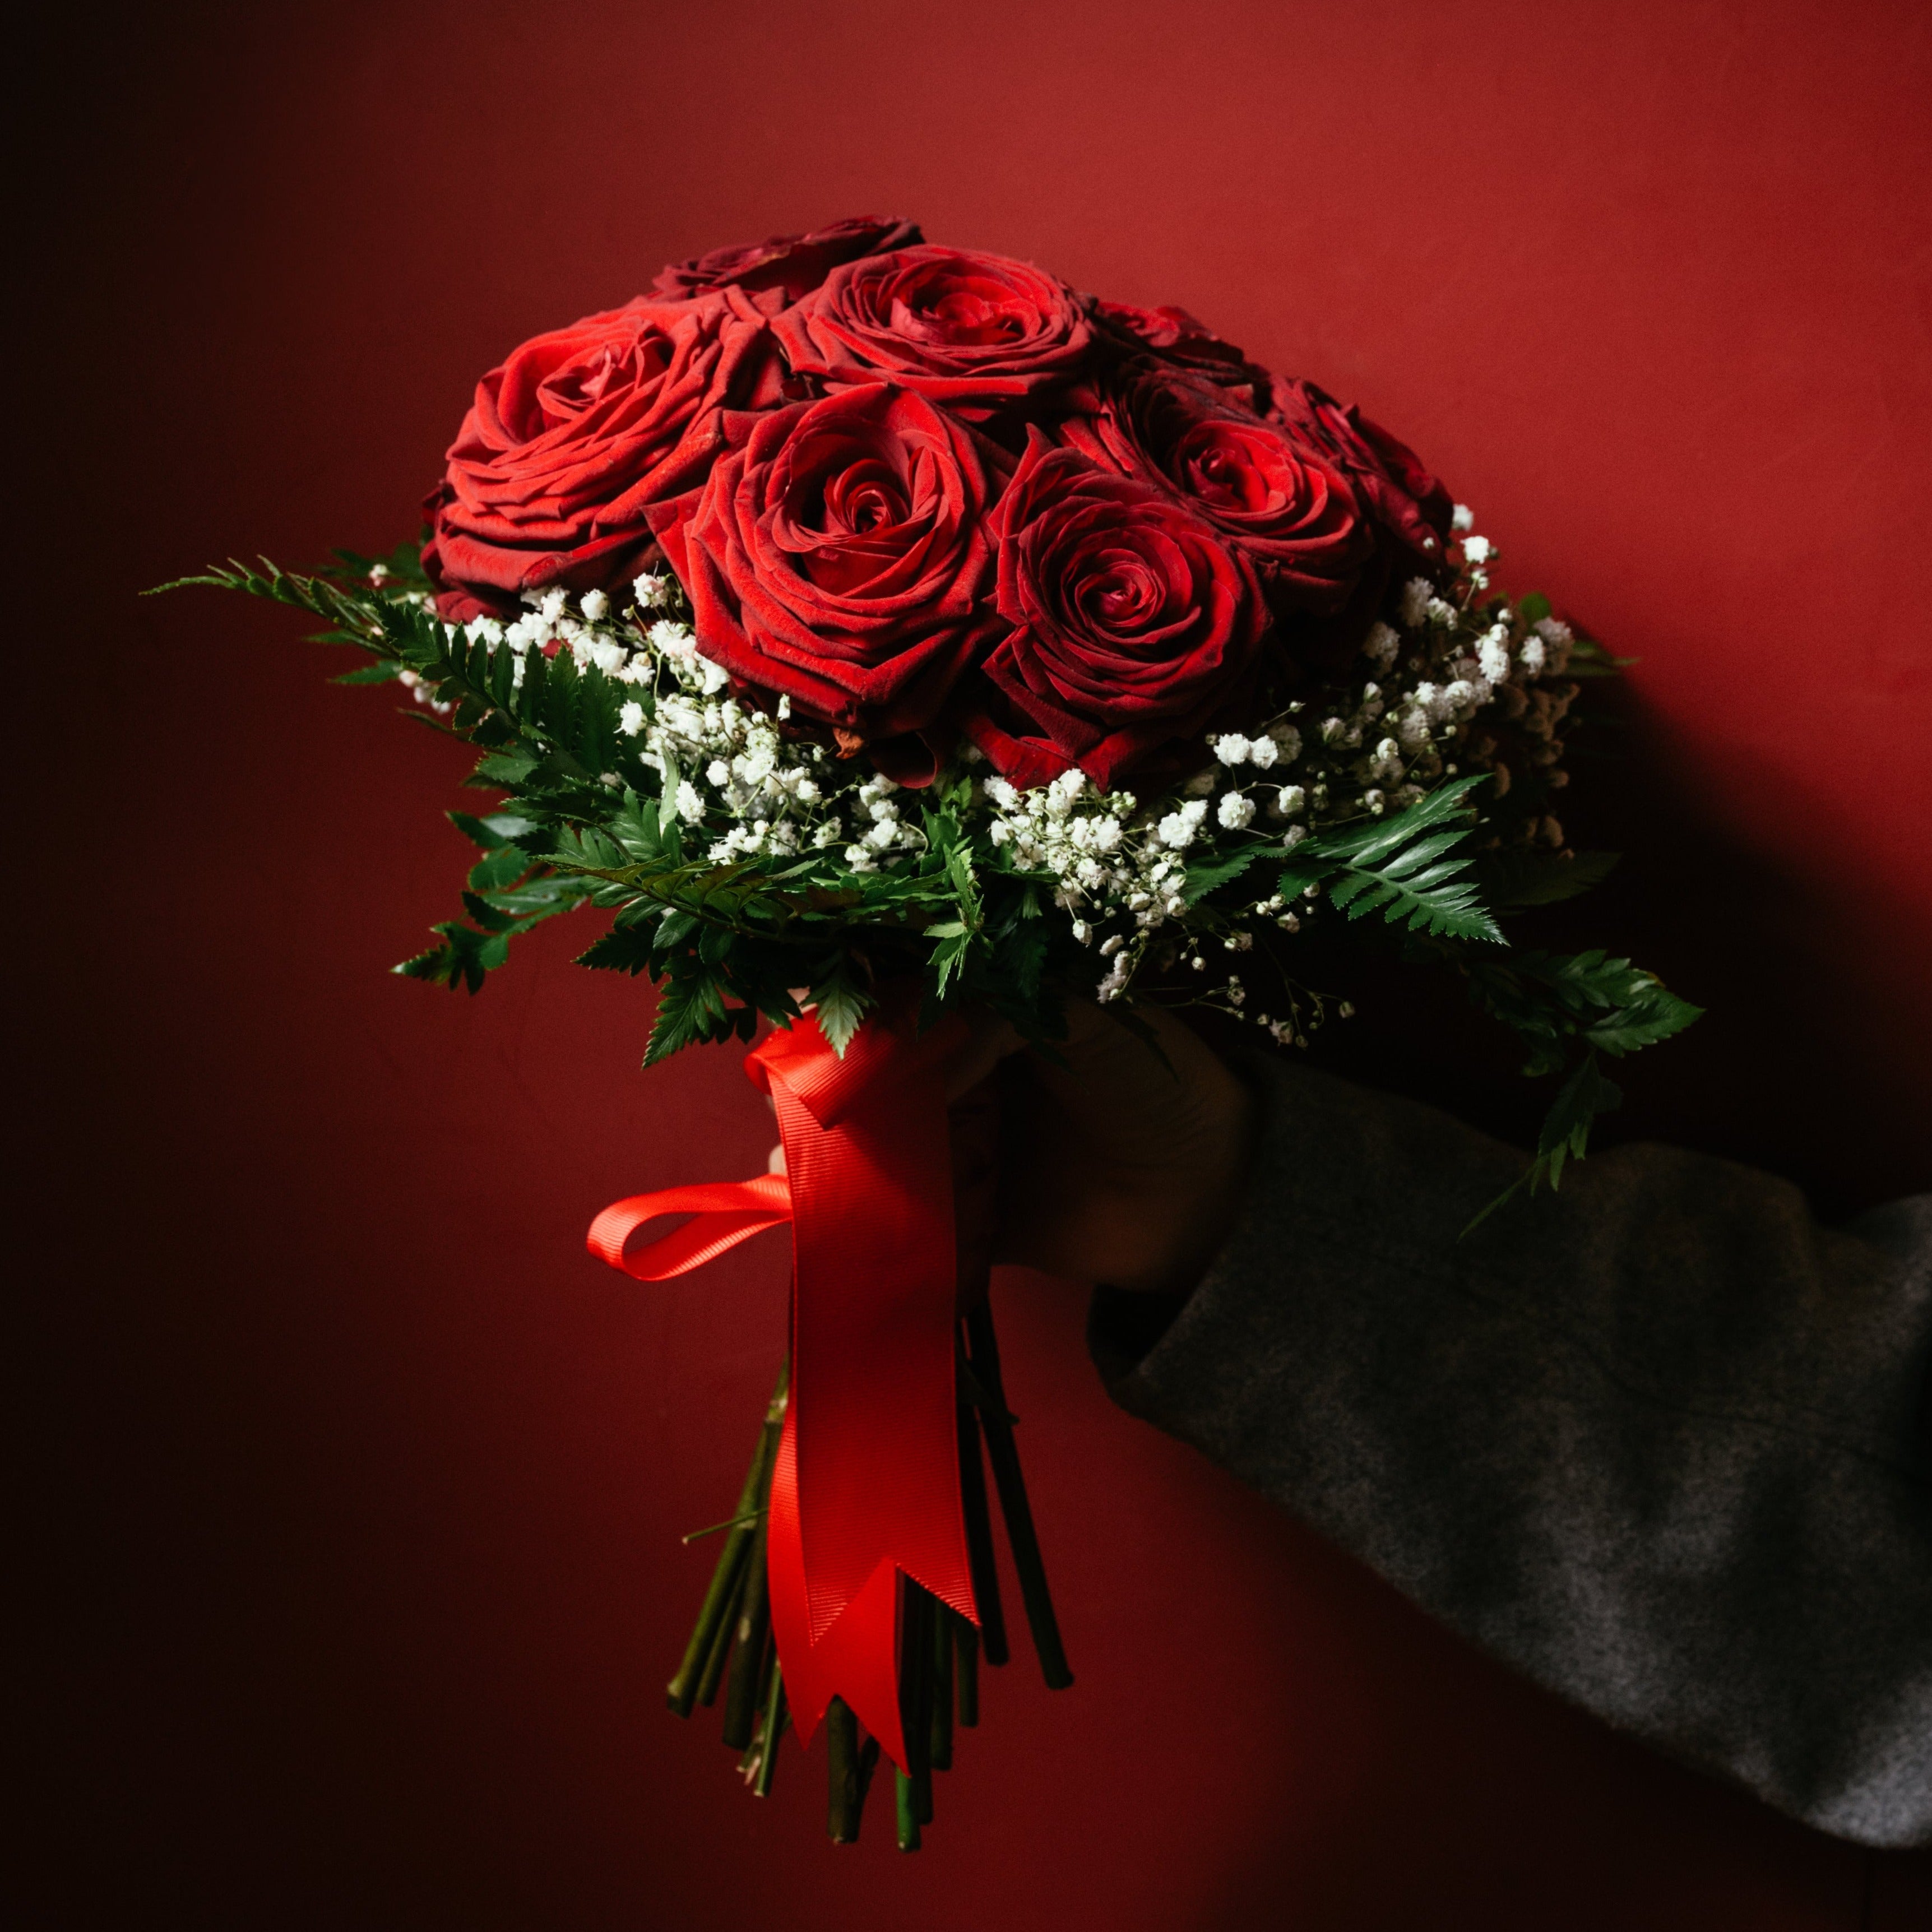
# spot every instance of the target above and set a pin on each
(1810, 1061)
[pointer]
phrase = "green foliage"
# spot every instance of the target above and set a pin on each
(1550, 999)
(1211, 875)
(1402, 867)
(1565, 1133)
(580, 818)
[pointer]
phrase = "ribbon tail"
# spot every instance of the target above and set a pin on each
(856, 1657)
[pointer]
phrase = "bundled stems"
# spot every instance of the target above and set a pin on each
(704, 1655)
(939, 1650)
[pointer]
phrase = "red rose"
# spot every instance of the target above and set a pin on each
(839, 554)
(974, 331)
(1406, 498)
(1176, 337)
(1289, 508)
(575, 434)
(792, 264)
(1133, 622)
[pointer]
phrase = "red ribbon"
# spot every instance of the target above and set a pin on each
(867, 1480)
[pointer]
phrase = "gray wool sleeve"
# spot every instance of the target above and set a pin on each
(1659, 1441)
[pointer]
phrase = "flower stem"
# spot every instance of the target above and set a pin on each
(979, 1529)
(713, 1673)
(983, 1359)
(770, 1732)
(749, 1660)
(721, 1599)
(939, 1749)
(967, 1672)
(908, 1812)
(851, 1768)
(916, 1700)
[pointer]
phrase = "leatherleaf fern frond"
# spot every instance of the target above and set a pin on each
(1407, 868)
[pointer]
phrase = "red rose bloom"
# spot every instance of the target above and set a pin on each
(1174, 336)
(975, 331)
(792, 264)
(839, 554)
(1405, 498)
(1291, 510)
(1133, 622)
(575, 434)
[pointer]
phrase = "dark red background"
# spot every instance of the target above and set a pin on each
(362, 1483)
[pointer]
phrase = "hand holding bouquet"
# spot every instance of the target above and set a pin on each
(881, 632)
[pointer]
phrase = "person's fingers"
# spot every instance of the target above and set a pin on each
(774, 1161)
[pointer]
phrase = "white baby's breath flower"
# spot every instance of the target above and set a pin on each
(630, 720)
(674, 640)
(718, 773)
(606, 655)
(1415, 596)
(1476, 549)
(1462, 518)
(858, 859)
(1263, 752)
(1382, 645)
(1492, 654)
(1531, 655)
(650, 592)
(595, 605)
(1232, 749)
(1438, 611)
(1291, 799)
(1235, 811)
(690, 806)
(1177, 828)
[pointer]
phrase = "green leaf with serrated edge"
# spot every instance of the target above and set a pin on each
(486, 915)
(840, 1004)
(948, 957)
(1654, 1015)
(1203, 879)
(1533, 608)
(507, 770)
(1364, 843)
(503, 867)
(380, 673)
(1565, 1133)
(621, 950)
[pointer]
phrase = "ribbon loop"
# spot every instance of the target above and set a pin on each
(725, 1213)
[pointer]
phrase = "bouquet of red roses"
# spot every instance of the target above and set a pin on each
(878, 630)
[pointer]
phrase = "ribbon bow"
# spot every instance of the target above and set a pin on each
(866, 1483)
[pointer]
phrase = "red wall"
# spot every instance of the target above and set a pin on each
(362, 1482)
